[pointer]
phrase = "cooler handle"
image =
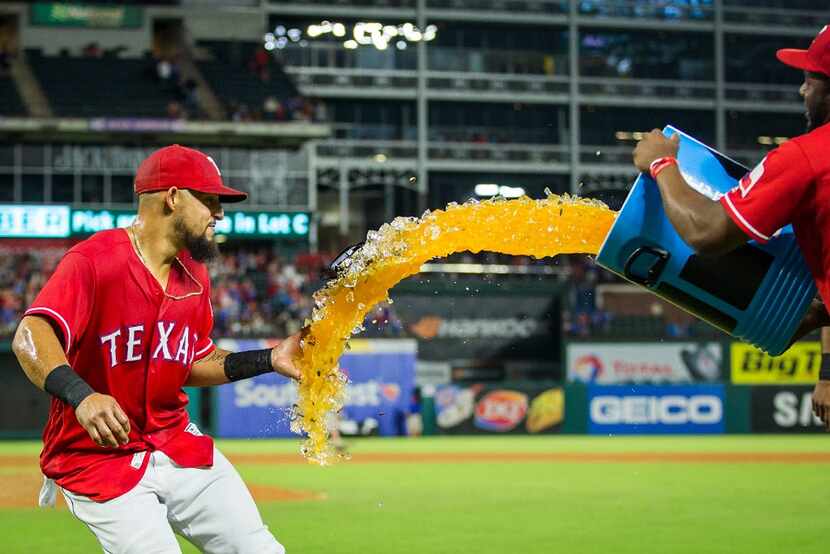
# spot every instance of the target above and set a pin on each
(661, 258)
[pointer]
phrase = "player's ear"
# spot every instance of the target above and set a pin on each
(172, 198)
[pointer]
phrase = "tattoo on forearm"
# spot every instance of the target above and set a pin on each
(217, 355)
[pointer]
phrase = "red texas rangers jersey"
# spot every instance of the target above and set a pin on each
(790, 185)
(127, 338)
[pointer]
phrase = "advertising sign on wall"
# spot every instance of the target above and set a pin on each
(484, 324)
(798, 365)
(784, 410)
(632, 410)
(616, 363)
(34, 221)
(65, 14)
(381, 383)
(488, 409)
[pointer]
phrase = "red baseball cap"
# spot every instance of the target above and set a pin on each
(185, 168)
(815, 59)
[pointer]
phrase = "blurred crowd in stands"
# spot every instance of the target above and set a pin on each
(256, 292)
(631, 314)
(265, 67)
(23, 272)
(165, 67)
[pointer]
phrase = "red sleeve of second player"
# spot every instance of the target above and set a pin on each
(67, 298)
(204, 345)
(769, 197)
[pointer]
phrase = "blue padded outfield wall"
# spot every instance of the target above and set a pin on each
(378, 397)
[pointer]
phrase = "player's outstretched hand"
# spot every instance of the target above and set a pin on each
(821, 402)
(104, 420)
(284, 355)
(654, 146)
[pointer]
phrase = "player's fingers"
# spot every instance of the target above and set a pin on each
(117, 429)
(107, 438)
(94, 434)
(122, 418)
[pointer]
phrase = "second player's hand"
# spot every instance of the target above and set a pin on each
(104, 420)
(654, 146)
(821, 402)
(284, 355)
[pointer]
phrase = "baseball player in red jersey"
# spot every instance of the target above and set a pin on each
(122, 325)
(791, 185)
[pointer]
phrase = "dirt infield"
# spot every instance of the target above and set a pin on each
(19, 489)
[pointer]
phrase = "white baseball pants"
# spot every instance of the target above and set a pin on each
(211, 507)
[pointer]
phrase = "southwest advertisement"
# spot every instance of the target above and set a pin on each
(649, 363)
(798, 365)
(635, 410)
(784, 410)
(381, 383)
(486, 409)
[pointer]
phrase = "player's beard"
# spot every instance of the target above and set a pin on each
(201, 248)
(816, 114)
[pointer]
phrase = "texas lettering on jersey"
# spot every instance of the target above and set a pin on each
(125, 345)
(129, 339)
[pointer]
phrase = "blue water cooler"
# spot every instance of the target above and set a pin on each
(758, 293)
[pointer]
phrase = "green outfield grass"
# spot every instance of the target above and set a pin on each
(432, 495)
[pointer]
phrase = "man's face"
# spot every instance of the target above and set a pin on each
(814, 90)
(195, 224)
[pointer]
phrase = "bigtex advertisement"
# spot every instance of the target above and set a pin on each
(645, 409)
(489, 409)
(381, 383)
(614, 363)
(798, 365)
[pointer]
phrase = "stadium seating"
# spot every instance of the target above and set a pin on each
(100, 87)
(10, 101)
(229, 73)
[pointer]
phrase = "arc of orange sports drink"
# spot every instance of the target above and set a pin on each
(539, 228)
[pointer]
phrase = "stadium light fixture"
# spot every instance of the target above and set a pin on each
(511, 192)
(487, 189)
(364, 33)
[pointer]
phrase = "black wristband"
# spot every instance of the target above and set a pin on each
(63, 383)
(242, 365)
(824, 370)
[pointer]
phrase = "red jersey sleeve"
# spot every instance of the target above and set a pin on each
(769, 197)
(204, 344)
(67, 298)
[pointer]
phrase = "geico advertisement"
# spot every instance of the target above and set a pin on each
(627, 410)
(784, 410)
(798, 365)
(381, 382)
(648, 363)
